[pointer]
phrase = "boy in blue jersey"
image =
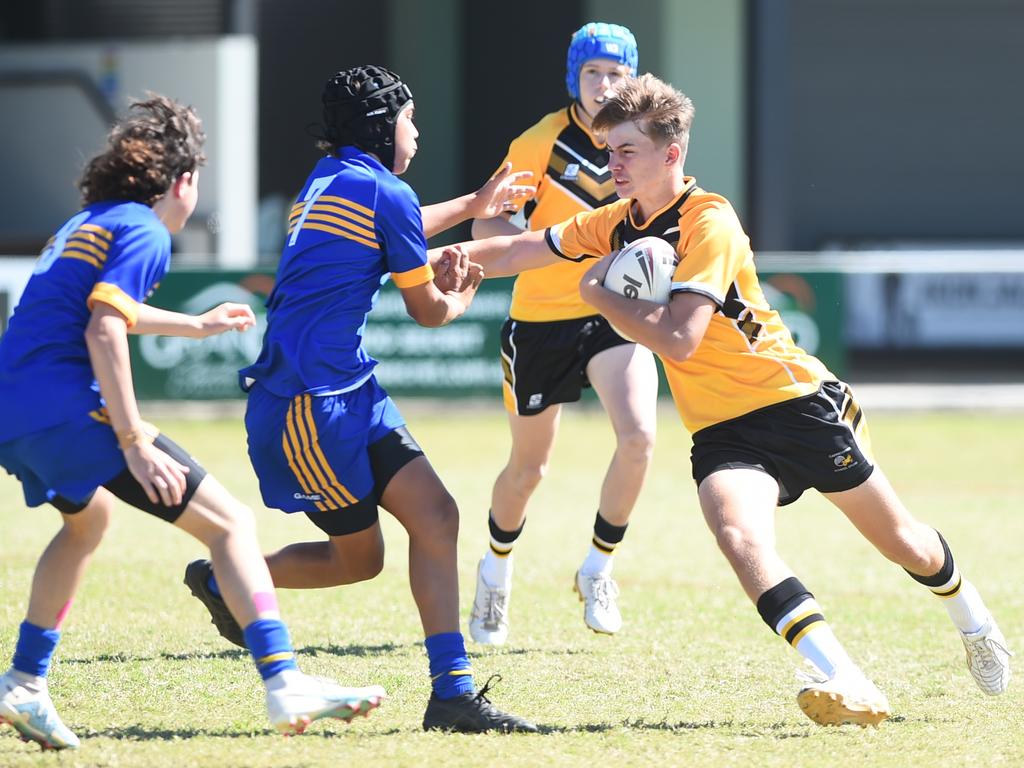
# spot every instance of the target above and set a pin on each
(72, 434)
(324, 438)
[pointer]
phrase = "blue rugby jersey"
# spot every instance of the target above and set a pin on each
(111, 252)
(354, 225)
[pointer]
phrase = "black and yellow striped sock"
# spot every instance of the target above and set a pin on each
(961, 600)
(791, 611)
(502, 541)
(497, 562)
(602, 546)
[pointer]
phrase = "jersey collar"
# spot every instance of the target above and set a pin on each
(689, 182)
(575, 118)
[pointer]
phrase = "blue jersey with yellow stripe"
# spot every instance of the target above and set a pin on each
(111, 252)
(354, 225)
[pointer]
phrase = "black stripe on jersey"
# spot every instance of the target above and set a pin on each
(559, 254)
(589, 163)
(800, 625)
(625, 233)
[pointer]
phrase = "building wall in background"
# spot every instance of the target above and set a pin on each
(699, 47)
(886, 120)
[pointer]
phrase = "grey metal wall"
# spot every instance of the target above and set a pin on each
(883, 120)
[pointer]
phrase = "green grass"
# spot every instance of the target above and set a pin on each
(694, 678)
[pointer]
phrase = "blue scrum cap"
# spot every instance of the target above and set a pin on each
(597, 40)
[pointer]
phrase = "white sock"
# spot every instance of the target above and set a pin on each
(964, 606)
(597, 563)
(805, 628)
(496, 570)
(34, 683)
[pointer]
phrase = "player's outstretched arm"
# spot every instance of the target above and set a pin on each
(106, 336)
(508, 255)
(222, 318)
(672, 330)
(502, 192)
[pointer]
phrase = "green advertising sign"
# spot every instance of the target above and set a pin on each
(459, 360)
(810, 305)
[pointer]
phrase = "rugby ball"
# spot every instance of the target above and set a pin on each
(643, 270)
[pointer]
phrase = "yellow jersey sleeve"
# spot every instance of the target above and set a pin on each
(714, 251)
(587, 235)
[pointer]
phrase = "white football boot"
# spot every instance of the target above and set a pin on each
(28, 707)
(988, 658)
(295, 700)
(488, 621)
(598, 594)
(847, 697)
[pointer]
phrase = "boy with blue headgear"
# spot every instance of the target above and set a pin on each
(554, 344)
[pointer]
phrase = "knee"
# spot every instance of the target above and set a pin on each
(637, 444)
(736, 542)
(89, 526)
(526, 477)
(363, 568)
(915, 548)
(231, 520)
(442, 521)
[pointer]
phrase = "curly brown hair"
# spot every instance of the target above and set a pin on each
(156, 142)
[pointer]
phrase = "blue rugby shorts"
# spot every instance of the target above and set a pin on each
(328, 456)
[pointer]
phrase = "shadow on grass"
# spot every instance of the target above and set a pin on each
(142, 733)
(238, 653)
(355, 650)
(638, 724)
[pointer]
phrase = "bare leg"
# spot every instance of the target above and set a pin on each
(876, 511)
(62, 565)
(340, 560)
(418, 499)
(226, 526)
(533, 439)
(626, 380)
(739, 508)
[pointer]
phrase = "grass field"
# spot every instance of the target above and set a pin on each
(694, 678)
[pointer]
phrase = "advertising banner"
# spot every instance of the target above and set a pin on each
(458, 360)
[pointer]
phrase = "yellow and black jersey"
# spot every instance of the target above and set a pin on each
(569, 166)
(747, 359)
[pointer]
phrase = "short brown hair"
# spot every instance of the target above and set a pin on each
(155, 143)
(658, 110)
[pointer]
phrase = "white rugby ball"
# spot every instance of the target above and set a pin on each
(643, 270)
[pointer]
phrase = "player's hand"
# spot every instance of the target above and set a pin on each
(474, 276)
(451, 270)
(227, 317)
(161, 477)
(593, 278)
(503, 193)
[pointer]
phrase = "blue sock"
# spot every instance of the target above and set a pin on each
(212, 584)
(270, 646)
(450, 673)
(34, 649)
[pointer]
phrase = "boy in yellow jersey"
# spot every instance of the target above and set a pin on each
(554, 345)
(768, 420)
